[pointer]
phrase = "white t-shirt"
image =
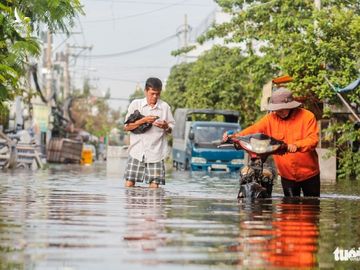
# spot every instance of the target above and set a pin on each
(151, 145)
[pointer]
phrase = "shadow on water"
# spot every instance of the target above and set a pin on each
(72, 217)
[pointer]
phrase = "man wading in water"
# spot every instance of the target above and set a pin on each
(297, 127)
(148, 150)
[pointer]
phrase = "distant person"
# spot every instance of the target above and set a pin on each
(297, 127)
(148, 150)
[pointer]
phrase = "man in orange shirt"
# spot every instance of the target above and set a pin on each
(297, 127)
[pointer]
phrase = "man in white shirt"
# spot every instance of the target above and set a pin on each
(148, 150)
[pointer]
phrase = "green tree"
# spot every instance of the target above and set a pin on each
(299, 40)
(19, 22)
(221, 78)
(93, 114)
(138, 93)
(176, 87)
(224, 79)
(15, 45)
(56, 14)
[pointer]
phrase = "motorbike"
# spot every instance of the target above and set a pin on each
(257, 177)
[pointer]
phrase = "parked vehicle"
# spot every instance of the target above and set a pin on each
(256, 178)
(18, 150)
(8, 152)
(197, 134)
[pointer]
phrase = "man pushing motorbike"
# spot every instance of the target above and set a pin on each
(297, 127)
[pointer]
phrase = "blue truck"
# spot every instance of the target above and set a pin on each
(196, 137)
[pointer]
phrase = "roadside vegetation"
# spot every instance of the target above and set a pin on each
(20, 23)
(93, 114)
(274, 38)
(264, 39)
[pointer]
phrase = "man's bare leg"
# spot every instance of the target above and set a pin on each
(129, 183)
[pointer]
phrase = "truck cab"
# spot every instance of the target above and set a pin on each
(196, 137)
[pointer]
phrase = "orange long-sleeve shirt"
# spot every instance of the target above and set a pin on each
(300, 129)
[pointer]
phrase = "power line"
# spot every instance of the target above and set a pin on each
(116, 98)
(134, 50)
(119, 80)
(143, 2)
(131, 67)
(136, 15)
(116, 68)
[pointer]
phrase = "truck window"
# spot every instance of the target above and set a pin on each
(205, 135)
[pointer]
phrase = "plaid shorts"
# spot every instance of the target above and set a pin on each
(138, 171)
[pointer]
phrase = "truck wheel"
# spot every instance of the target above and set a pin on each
(182, 166)
(186, 165)
(176, 165)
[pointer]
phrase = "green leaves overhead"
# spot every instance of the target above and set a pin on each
(274, 38)
(221, 79)
(18, 21)
(56, 14)
(176, 85)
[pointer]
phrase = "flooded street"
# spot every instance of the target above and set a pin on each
(80, 217)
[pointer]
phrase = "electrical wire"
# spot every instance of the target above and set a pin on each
(136, 15)
(119, 80)
(142, 2)
(134, 50)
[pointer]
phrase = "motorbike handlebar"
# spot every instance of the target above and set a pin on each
(283, 149)
(235, 142)
(230, 143)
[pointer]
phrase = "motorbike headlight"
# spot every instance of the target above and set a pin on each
(259, 146)
(236, 161)
(262, 146)
(198, 160)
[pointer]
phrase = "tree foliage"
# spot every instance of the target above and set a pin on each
(221, 78)
(298, 39)
(138, 93)
(176, 87)
(93, 114)
(276, 38)
(56, 14)
(19, 20)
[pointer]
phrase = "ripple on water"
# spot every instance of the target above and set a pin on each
(70, 217)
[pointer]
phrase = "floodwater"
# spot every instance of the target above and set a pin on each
(80, 217)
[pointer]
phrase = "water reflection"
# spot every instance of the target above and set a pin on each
(295, 233)
(145, 210)
(279, 234)
(70, 217)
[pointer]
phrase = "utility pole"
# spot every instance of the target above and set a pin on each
(80, 47)
(66, 80)
(66, 73)
(45, 136)
(67, 84)
(185, 31)
(48, 66)
(185, 35)
(75, 56)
